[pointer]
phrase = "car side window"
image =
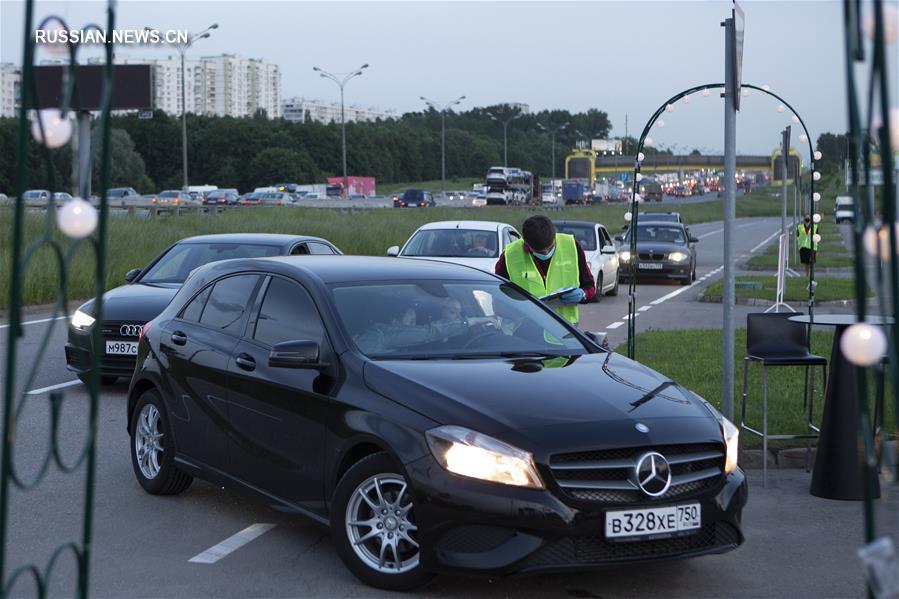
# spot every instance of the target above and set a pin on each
(513, 235)
(194, 309)
(319, 248)
(300, 250)
(604, 238)
(287, 314)
(228, 303)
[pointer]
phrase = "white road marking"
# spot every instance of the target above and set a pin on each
(704, 235)
(231, 544)
(54, 387)
(667, 297)
(38, 321)
(627, 316)
(615, 325)
(643, 308)
(764, 243)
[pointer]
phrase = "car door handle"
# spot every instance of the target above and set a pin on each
(246, 362)
(179, 338)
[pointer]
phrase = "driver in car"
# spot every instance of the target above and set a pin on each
(403, 331)
(479, 246)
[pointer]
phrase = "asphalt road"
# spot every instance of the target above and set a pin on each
(797, 545)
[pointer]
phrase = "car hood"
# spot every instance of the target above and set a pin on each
(138, 302)
(485, 264)
(567, 402)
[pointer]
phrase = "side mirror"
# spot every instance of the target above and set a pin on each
(393, 251)
(619, 238)
(692, 239)
(132, 274)
(600, 339)
(296, 354)
(609, 249)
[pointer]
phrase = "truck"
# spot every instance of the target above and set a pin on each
(357, 185)
(574, 192)
(509, 185)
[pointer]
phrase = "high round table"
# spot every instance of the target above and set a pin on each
(838, 472)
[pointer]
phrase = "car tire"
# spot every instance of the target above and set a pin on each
(598, 295)
(614, 290)
(152, 448)
(375, 482)
(105, 381)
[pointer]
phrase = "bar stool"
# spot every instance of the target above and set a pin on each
(773, 340)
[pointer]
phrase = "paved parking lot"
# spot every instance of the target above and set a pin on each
(797, 545)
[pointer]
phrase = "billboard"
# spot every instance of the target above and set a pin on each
(609, 146)
(131, 89)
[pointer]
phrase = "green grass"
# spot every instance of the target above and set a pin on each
(832, 253)
(829, 288)
(134, 242)
(692, 357)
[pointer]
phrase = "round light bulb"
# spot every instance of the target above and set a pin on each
(638, 197)
(863, 344)
(705, 93)
(890, 26)
(803, 137)
(627, 216)
(877, 241)
(640, 157)
(660, 124)
(648, 141)
(56, 48)
(816, 217)
(639, 176)
(816, 196)
(766, 87)
(816, 238)
(77, 218)
(818, 155)
(745, 92)
(781, 108)
(57, 128)
(816, 176)
(669, 108)
(795, 120)
(686, 99)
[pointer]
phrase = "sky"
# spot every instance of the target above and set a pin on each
(623, 57)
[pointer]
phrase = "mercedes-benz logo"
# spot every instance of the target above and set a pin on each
(130, 330)
(653, 474)
(642, 428)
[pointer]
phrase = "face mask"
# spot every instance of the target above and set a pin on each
(545, 256)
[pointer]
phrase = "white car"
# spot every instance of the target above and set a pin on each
(468, 242)
(844, 211)
(600, 251)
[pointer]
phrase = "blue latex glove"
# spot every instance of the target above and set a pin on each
(573, 297)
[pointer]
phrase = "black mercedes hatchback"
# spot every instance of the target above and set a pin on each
(149, 290)
(436, 418)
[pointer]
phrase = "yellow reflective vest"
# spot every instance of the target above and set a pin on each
(805, 237)
(563, 271)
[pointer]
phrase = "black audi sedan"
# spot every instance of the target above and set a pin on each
(436, 418)
(665, 250)
(149, 290)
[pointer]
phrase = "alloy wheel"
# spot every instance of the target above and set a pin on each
(148, 442)
(380, 524)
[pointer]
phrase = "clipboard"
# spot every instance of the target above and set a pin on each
(557, 294)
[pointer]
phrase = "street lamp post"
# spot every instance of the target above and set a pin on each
(341, 83)
(182, 50)
(505, 124)
(442, 110)
(552, 136)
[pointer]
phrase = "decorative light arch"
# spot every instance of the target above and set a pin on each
(667, 106)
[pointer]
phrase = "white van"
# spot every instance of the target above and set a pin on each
(843, 211)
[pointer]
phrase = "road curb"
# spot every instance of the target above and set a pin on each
(763, 303)
(790, 458)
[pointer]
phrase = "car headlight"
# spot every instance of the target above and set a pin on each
(732, 440)
(624, 256)
(468, 453)
(82, 320)
(677, 256)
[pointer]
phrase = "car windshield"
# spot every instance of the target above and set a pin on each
(434, 319)
(659, 217)
(453, 243)
(30, 195)
(116, 192)
(584, 234)
(182, 258)
(413, 195)
(660, 234)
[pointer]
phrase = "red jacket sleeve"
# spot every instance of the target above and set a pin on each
(587, 283)
(500, 268)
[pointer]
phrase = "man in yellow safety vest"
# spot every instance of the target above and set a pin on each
(544, 261)
(808, 246)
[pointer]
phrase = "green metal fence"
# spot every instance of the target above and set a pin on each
(81, 225)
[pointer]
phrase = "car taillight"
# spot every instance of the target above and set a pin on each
(153, 200)
(176, 201)
(143, 331)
